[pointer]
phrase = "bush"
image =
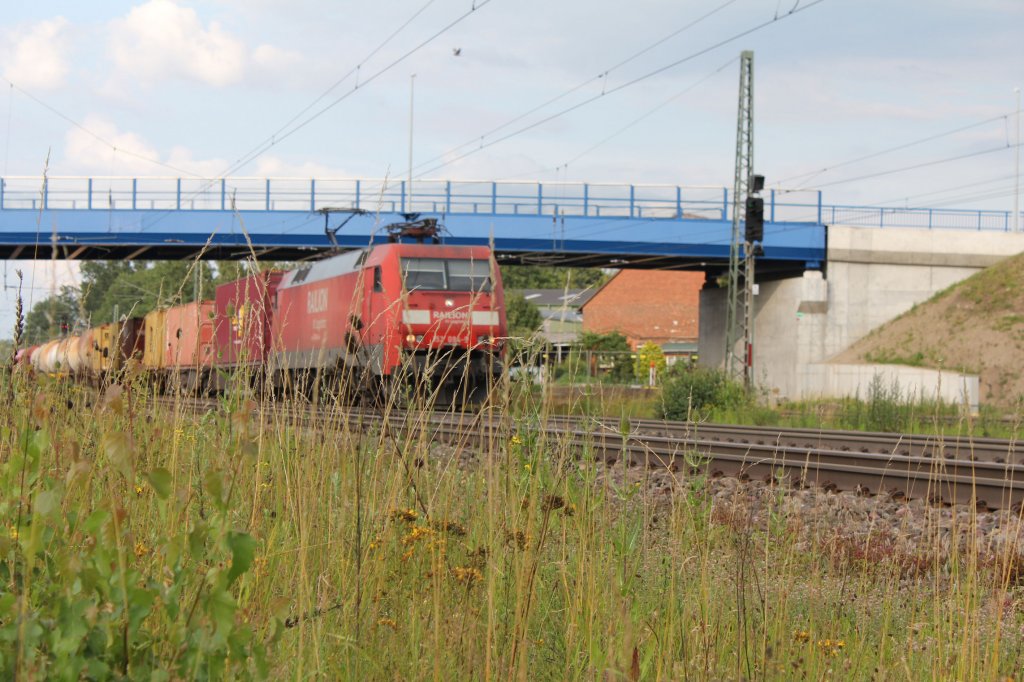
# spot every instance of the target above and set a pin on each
(692, 392)
(645, 355)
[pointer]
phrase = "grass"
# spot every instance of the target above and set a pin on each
(148, 542)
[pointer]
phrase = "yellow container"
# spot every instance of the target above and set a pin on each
(153, 355)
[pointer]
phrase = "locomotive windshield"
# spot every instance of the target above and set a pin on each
(438, 274)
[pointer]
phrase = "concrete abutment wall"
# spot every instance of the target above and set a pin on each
(873, 276)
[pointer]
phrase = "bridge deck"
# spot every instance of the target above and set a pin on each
(283, 219)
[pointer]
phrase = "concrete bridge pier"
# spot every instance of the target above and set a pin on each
(872, 276)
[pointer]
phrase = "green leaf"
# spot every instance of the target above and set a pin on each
(243, 550)
(160, 479)
(46, 503)
(38, 444)
(221, 607)
(95, 521)
(119, 448)
(215, 486)
(197, 542)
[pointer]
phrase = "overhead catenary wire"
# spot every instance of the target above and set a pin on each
(945, 190)
(278, 138)
(601, 76)
(354, 71)
(925, 164)
(96, 136)
(650, 112)
(639, 79)
(882, 152)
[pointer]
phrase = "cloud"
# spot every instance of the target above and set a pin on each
(162, 40)
(84, 154)
(272, 166)
(37, 57)
(131, 154)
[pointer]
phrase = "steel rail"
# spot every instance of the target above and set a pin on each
(730, 451)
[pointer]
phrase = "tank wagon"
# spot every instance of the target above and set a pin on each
(426, 318)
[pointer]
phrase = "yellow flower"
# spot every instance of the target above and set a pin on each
(141, 550)
(417, 533)
(527, 467)
(407, 515)
(467, 574)
(801, 635)
(13, 532)
(516, 440)
(138, 490)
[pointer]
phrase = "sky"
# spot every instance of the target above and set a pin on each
(570, 91)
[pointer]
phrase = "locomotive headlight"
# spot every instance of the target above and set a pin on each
(411, 338)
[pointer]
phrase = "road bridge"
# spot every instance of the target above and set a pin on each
(605, 225)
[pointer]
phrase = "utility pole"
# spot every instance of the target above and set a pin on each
(739, 311)
(412, 91)
(1016, 171)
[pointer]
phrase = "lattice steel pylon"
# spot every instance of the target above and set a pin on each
(739, 314)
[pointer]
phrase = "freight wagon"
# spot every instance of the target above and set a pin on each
(422, 318)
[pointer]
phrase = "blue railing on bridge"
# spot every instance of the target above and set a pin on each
(463, 197)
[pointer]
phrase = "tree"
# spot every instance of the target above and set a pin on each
(97, 278)
(522, 316)
(52, 317)
(645, 355)
(541, 277)
(150, 285)
(609, 349)
(612, 341)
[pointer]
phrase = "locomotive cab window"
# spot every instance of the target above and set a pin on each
(437, 274)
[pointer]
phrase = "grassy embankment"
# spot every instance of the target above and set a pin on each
(164, 544)
(884, 408)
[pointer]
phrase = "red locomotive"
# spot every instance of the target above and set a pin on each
(426, 317)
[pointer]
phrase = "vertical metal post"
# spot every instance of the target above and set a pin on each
(448, 196)
(403, 196)
(725, 202)
(1016, 171)
(88, 199)
(223, 193)
(358, 191)
(739, 310)
(135, 191)
(632, 200)
(540, 199)
(819, 207)
(177, 200)
(494, 197)
(3, 186)
(267, 204)
(773, 209)
(412, 90)
(312, 194)
(586, 198)
(679, 202)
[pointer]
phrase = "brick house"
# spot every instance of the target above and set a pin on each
(661, 306)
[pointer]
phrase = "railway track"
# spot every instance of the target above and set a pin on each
(984, 472)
